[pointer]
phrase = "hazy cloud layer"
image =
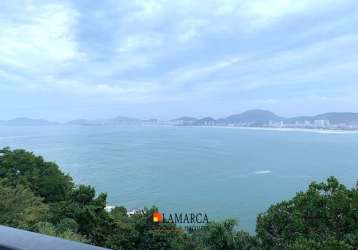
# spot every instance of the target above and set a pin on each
(69, 59)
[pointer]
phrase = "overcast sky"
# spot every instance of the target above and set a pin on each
(61, 60)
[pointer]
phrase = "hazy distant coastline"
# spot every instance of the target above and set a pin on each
(309, 130)
(263, 119)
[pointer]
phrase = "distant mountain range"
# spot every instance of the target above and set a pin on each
(333, 118)
(260, 117)
(255, 117)
(23, 121)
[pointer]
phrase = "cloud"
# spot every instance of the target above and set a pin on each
(43, 36)
(316, 64)
(190, 29)
(185, 54)
(139, 42)
(192, 73)
(263, 13)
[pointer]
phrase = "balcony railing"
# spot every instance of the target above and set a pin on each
(16, 239)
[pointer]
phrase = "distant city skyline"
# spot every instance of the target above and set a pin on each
(63, 60)
(258, 115)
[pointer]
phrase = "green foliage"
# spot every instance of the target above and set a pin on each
(43, 178)
(58, 231)
(138, 231)
(45, 228)
(244, 241)
(119, 213)
(217, 235)
(224, 236)
(19, 207)
(67, 224)
(87, 210)
(330, 244)
(327, 212)
(123, 236)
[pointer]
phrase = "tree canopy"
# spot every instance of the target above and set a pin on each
(43, 178)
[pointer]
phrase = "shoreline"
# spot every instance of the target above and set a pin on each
(308, 130)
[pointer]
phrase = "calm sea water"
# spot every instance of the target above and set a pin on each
(226, 173)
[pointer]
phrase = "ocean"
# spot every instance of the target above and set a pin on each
(223, 172)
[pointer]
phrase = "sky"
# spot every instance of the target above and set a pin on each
(63, 60)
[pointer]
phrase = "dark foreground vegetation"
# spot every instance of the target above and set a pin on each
(35, 195)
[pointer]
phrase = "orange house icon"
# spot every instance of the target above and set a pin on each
(157, 217)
